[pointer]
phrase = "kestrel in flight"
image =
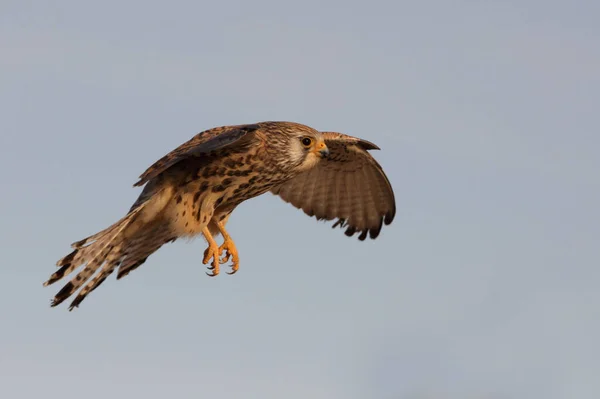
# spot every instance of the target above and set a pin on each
(194, 189)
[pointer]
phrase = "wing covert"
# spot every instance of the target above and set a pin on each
(202, 143)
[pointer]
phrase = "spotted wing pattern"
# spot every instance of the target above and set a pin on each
(349, 186)
(202, 143)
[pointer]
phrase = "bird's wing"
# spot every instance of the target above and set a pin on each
(200, 144)
(348, 185)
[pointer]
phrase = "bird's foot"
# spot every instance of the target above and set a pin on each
(230, 252)
(212, 252)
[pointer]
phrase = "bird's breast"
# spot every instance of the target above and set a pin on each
(222, 183)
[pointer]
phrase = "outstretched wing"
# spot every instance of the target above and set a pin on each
(202, 143)
(348, 185)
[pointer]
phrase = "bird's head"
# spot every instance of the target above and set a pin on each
(304, 146)
(306, 149)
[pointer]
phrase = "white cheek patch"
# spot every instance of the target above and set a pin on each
(311, 160)
(297, 153)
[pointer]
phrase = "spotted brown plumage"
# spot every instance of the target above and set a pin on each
(194, 189)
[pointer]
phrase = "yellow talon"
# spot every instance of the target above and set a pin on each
(213, 251)
(230, 250)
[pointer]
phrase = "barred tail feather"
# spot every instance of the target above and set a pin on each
(87, 240)
(138, 248)
(103, 246)
(112, 261)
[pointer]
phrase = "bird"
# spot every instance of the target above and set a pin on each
(194, 189)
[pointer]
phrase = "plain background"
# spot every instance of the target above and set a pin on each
(485, 286)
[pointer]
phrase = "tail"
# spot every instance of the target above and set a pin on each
(125, 244)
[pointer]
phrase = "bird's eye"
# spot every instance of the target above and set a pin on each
(307, 141)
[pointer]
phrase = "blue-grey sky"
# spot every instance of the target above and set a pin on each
(485, 286)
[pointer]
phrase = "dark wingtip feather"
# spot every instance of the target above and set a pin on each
(339, 222)
(367, 145)
(363, 235)
(389, 217)
(374, 233)
(350, 231)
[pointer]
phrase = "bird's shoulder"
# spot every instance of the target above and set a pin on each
(201, 144)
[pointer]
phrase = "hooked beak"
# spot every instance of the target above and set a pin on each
(323, 150)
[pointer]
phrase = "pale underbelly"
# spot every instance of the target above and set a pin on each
(192, 210)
